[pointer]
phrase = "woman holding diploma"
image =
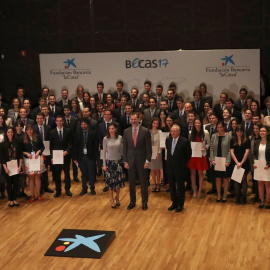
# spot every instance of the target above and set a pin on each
(198, 162)
(220, 147)
(32, 149)
(112, 159)
(240, 147)
(261, 152)
(11, 151)
(156, 162)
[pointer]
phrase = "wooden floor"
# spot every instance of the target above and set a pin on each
(206, 235)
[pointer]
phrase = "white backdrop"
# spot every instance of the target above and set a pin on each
(221, 70)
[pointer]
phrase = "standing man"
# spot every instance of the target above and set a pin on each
(171, 101)
(64, 101)
(152, 111)
(119, 93)
(100, 96)
(85, 153)
(159, 96)
(44, 132)
(147, 90)
(178, 156)
(134, 98)
(137, 152)
(54, 110)
(239, 104)
(60, 139)
(218, 108)
(45, 94)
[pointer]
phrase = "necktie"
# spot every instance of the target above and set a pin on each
(190, 127)
(128, 120)
(41, 133)
(53, 109)
(45, 121)
(197, 106)
(123, 111)
(23, 122)
(246, 126)
(170, 105)
(68, 122)
(120, 94)
(135, 136)
(85, 135)
(173, 145)
(158, 102)
(211, 132)
(99, 97)
(133, 103)
(60, 135)
(107, 124)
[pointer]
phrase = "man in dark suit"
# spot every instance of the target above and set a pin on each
(120, 92)
(48, 120)
(171, 101)
(35, 111)
(239, 104)
(218, 108)
(44, 132)
(266, 111)
(85, 153)
(247, 124)
(125, 121)
(147, 90)
(153, 111)
(212, 129)
(98, 116)
(53, 109)
(135, 103)
(119, 112)
(71, 123)
(64, 101)
(180, 109)
(60, 139)
(234, 112)
(198, 103)
(27, 106)
(137, 152)
(159, 96)
(100, 96)
(23, 117)
(178, 155)
(2, 104)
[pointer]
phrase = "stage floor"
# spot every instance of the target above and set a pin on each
(206, 235)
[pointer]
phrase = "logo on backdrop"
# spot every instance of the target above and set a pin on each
(228, 68)
(70, 71)
(146, 63)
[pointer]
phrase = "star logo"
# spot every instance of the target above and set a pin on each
(70, 62)
(227, 59)
(81, 240)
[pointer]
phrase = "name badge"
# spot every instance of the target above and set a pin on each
(85, 151)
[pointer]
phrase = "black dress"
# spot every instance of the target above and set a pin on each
(239, 152)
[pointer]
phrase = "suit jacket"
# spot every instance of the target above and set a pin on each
(152, 94)
(47, 131)
(174, 105)
(72, 125)
(124, 123)
(225, 147)
(137, 156)
(238, 105)
(104, 97)
(265, 112)
(237, 114)
(256, 152)
(117, 113)
(136, 106)
(56, 144)
(115, 95)
(93, 125)
(5, 106)
(29, 121)
(175, 114)
(35, 111)
(208, 128)
(96, 117)
(229, 128)
(57, 111)
(34, 146)
(91, 144)
(250, 128)
(176, 163)
(102, 131)
(61, 105)
(218, 111)
(51, 122)
(147, 115)
(201, 107)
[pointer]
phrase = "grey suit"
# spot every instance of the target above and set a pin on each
(147, 115)
(136, 158)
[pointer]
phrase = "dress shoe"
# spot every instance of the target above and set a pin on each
(224, 201)
(130, 206)
(69, 193)
(16, 204)
(11, 205)
(99, 173)
(218, 200)
(211, 191)
(244, 200)
(76, 180)
(261, 205)
(179, 209)
(57, 194)
(93, 192)
(187, 188)
(47, 189)
(24, 195)
(237, 201)
(84, 191)
(105, 189)
(137, 183)
(144, 206)
(172, 207)
(267, 206)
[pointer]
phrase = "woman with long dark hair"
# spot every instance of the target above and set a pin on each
(86, 99)
(13, 113)
(32, 149)
(75, 108)
(240, 147)
(112, 163)
(198, 164)
(11, 151)
(262, 152)
(6, 118)
(220, 147)
(109, 102)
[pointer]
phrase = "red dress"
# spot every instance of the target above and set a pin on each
(198, 163)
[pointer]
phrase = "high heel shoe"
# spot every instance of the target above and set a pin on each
(40, 199)
(261, 205)
(157, 188)
(117, 201)
(113, 204)
(267, 206)
(32, 199)
(154, 189)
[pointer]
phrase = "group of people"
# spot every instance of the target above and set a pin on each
(143, 137)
